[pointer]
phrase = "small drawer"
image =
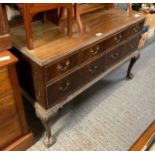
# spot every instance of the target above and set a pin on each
(93, 51)
(10, 130)
(114, 56)
(134, 29)
(7, 107)
(60, 67)
(116, 39)
(5, 84)
(60, 89)
(91, 70)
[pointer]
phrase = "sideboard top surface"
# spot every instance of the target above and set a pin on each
(51, 41)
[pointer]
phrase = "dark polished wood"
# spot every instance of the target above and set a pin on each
(91, 71)
(13, 124)
(60, 67)
(55, 72)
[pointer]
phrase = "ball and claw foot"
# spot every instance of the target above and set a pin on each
(49, 141)
(129, 76)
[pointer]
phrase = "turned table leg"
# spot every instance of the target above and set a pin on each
(27, 19)
(61, 14)
(69, 21)
(132, 62)
(78, 19)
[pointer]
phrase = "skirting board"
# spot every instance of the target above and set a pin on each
(143, 139)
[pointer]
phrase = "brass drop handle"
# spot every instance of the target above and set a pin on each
(94, 52)
(115, 55)
(118, 38)
(132, 45)
(93, 69)
(63, 66)
(65, 86)
(136, 28)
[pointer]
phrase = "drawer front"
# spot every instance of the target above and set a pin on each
(5, 84)
(93, 51)
(60, 67)
(91, 70)
(114, 56)
(132, 45)
(60, 89)
(116, 39)
(118, 54)
(9, 131)
(7, 107)
(136, 28)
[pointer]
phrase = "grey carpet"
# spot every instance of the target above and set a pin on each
(110, 115)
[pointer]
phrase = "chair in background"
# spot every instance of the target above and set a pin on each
(28, 10)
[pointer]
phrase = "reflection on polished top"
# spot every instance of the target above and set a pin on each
(51, 42)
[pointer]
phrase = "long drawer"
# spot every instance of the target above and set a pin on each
(57, 91)
(91, 70)
(65, 86)
(60, 89)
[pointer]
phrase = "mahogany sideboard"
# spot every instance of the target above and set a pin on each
(49, 74)
(14, 132)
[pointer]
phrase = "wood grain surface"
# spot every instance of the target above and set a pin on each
(51, 42)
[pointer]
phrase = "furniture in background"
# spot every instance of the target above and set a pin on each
(146, 10)
(146, 142)
(14, 132)
(27, 11)
(5, 40)
(81, 8)
(49, 75)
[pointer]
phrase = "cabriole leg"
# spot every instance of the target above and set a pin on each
(47, 119)
(49, 140)
(132, 62)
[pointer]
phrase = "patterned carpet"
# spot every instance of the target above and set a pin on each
(110, 115)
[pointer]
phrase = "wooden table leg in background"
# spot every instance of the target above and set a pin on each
(78, 18)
